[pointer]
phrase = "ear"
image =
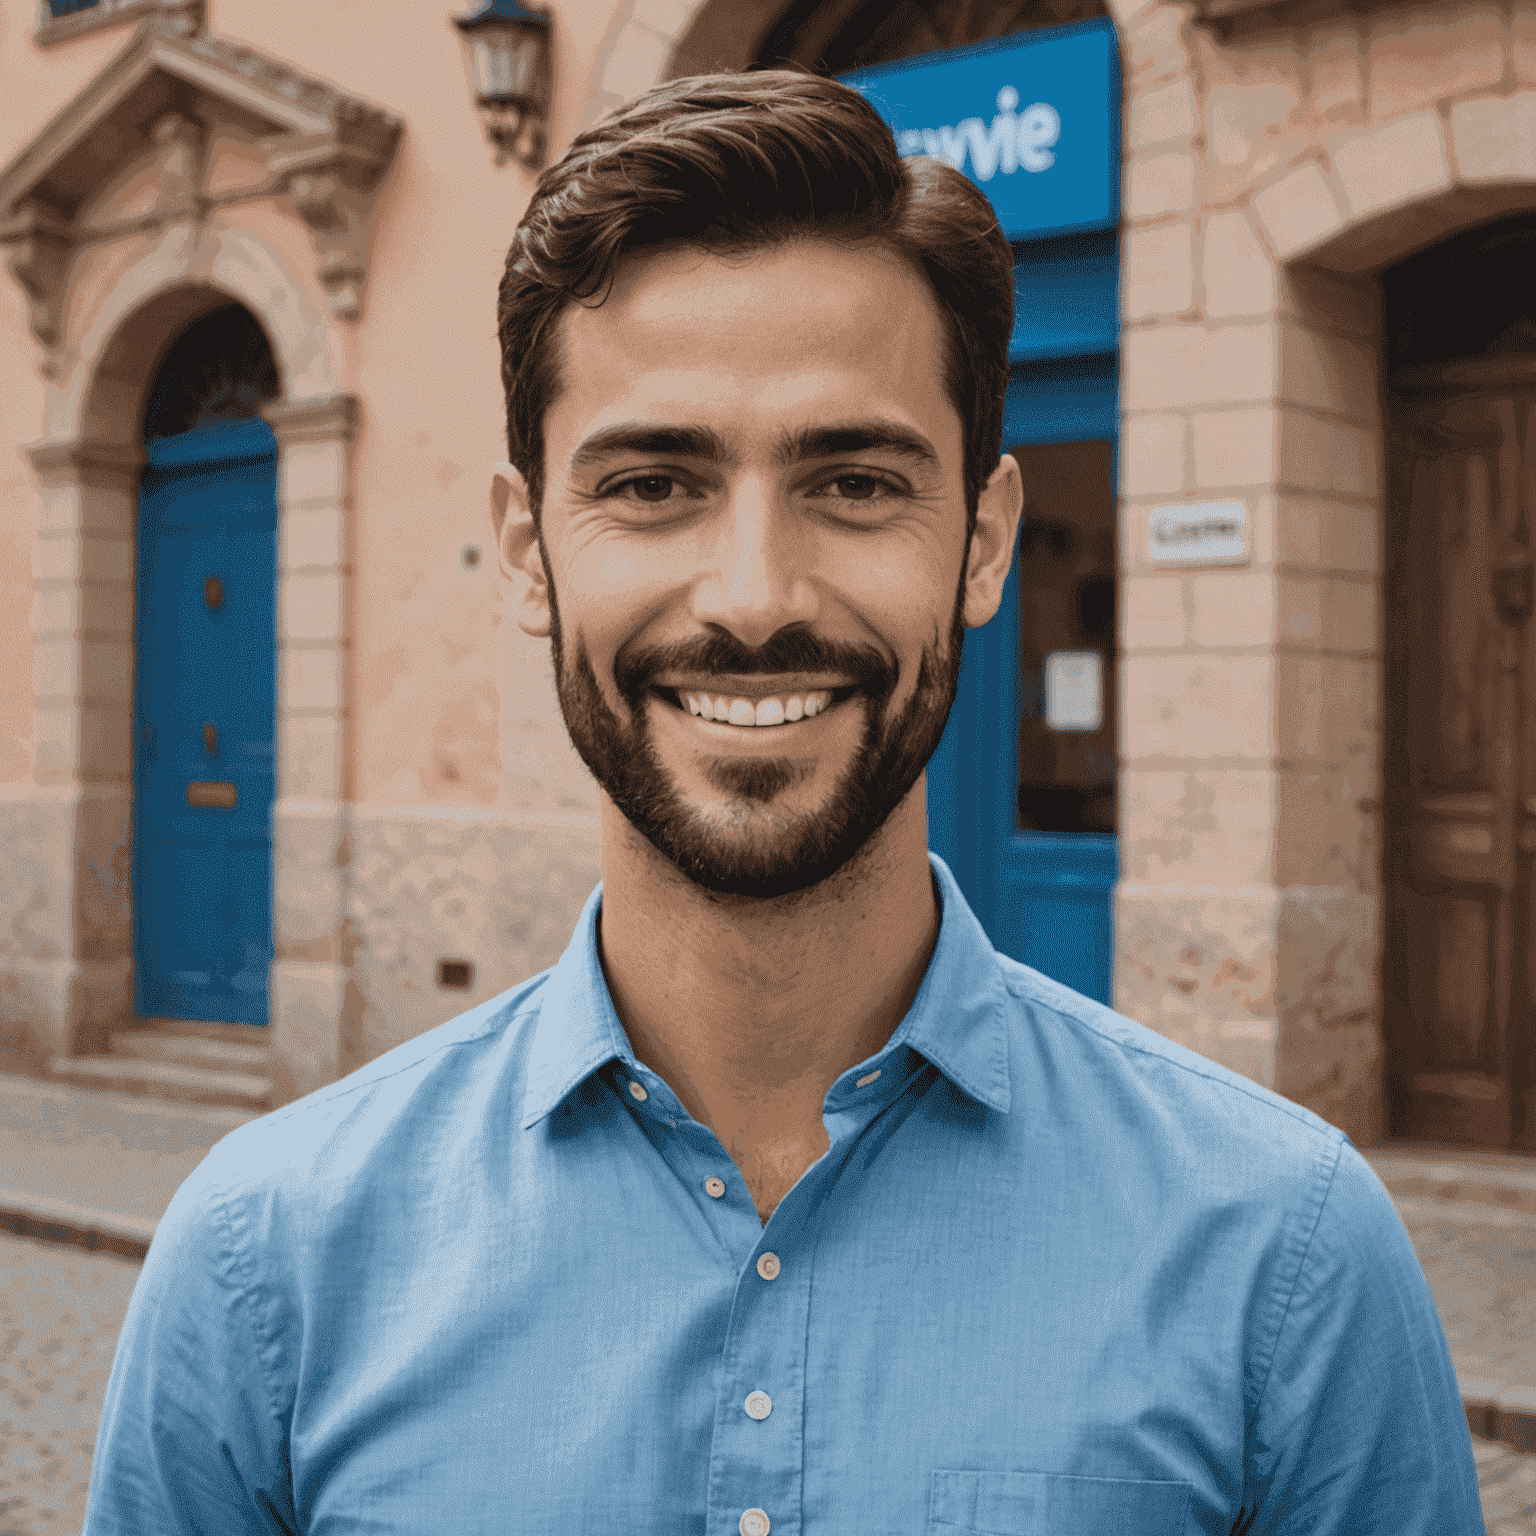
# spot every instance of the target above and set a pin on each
(997, 530)
(517, 544)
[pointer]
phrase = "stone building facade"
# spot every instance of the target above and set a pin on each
(324, 168)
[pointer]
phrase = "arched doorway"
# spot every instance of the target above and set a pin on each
(205, 678)
(1460, 769)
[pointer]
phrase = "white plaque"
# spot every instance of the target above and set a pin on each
(1074, 690)
(1199, 533)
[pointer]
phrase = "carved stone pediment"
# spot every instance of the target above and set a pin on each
(157, 102)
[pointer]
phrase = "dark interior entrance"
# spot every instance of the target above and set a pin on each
(1460, 769)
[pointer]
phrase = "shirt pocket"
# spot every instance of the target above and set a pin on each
(1053, 1504)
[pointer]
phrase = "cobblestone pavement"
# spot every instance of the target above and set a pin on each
(1481, 1266)
(61, 1309)
(60, 1312)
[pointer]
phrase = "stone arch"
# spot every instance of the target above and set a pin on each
(75, 987)
(649, 41)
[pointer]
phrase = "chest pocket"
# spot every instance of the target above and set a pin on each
(1051, 1504)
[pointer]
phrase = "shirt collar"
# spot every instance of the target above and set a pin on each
(958, 1020)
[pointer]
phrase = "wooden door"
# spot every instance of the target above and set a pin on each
(1460, 770)
(205, 684)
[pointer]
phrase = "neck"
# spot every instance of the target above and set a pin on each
(750, 1010)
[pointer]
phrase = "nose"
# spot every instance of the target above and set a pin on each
(758, 580)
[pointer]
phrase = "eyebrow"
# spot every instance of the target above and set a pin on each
(855, 437)
(642, 438)
(794, 447)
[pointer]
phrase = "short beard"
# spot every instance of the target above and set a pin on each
(805, 848)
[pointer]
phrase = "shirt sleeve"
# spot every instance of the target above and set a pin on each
(191, 1439)
(1359, 1426)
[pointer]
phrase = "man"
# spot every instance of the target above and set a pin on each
(782, 1203)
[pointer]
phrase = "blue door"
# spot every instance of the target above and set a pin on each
(204, 695)
(1022, 791)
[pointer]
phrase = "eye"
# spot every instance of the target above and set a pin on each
(858, 487)
(650, 488)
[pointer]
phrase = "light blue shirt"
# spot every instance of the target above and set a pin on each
(1055, 1276)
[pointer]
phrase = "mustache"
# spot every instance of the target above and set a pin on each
(786, 650)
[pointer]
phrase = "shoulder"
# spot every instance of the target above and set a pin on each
(1142, 1093)
(336, 1134)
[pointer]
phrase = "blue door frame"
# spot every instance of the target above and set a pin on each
(204, 693)
(1043, 897)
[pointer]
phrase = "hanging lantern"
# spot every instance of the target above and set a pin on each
(509, 65)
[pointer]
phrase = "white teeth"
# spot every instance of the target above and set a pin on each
(770, 711)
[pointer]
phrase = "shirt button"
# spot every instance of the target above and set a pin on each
(768, 1268)
(754, 1522)
(714, 1187)
(638, 1090)
(759, 1405)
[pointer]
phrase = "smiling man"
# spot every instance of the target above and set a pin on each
(782, 1202)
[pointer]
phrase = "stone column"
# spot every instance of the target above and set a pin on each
(64, 881)
(310, 983)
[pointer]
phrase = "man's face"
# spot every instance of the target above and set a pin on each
(754, 524)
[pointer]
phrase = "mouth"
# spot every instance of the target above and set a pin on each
(756, 712)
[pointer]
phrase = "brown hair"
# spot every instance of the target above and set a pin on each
(732, 162)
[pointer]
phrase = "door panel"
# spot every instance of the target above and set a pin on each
(1460, 770)
(1041, 884)
(205, 692)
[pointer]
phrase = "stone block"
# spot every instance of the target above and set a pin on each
(310, 849)
(1493, 138)
(1522, 41)
(1403, 161)
(1299, 708)
(106, 671)
(1234, 450)
(1154, 459)
(308, 1018)
(1299, 603)
(1418, 56)
(1155, 611)
(309, 607)
(636, 61)
(105, 737)
(1157, 271)
(37, 874)
(1213, 826)
(1328, 1051)
(1155, 48)
(1188, 963)
(309, 678)
(1350, 717)
(1237, 274)
(1298, 211)
(55, 669)
(666, 18)
(1330, 458)
(70, 557)
(309, 757)
(1188, 708)
(311, 475)
(1328, 372)
(1240, 114)
(311, 540)
(1327, 834)
(1161, 115)
(1234, 608)
(1352, 621)
(1159, 186)
(1336, 72)
(103, 838)
(1174, 367)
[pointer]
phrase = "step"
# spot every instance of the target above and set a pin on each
(192, 1050)
(1502, 1181)
(164, 1080)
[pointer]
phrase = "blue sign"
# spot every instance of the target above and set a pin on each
(1033, 120)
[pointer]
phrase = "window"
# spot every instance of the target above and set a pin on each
(59, 20)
